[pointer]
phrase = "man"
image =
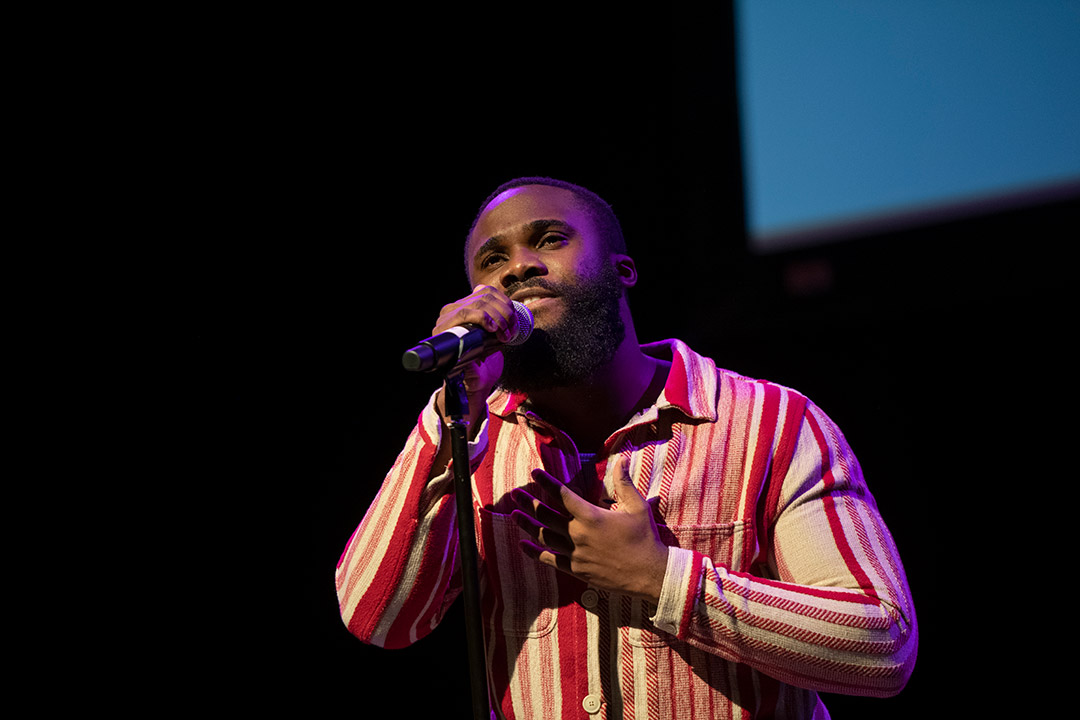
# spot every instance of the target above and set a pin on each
(659, 538)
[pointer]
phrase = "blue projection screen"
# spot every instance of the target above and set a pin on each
(863, 115)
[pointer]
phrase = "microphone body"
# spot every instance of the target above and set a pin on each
(463, 344)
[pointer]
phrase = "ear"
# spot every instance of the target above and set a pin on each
(625, 269)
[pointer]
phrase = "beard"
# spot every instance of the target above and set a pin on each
(584, 339)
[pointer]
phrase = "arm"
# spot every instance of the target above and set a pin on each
(839, 616)
(398, 574)
(395, 579)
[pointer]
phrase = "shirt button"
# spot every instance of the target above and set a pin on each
(591, 703)
(589, 599)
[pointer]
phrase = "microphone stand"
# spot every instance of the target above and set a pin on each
(457, 410)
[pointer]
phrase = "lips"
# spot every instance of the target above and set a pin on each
(531, 296)
(531, 300)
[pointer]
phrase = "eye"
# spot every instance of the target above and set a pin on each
(491, 260)
(551, 239)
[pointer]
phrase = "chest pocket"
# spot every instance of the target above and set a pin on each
(722, 543)
(525, 592)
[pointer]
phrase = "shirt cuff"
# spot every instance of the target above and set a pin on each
(682, 578)
(433, 429)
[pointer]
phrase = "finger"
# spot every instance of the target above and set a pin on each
(626, 493)
(498, 312)
(575, 505)
(541, 512)
(486, 307)
(479, 313)
(503, 306)
(527, 523)
(546, 537)
(547, 557)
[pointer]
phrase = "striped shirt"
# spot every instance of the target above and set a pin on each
(782, 580)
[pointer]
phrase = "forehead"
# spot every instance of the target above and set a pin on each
(515, 208)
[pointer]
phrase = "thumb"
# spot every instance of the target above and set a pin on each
(626, 493)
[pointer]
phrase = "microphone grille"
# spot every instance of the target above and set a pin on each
(524, 324)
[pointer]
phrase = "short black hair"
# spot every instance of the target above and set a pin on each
(607, 224)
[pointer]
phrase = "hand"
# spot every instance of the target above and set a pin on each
(487, 307)
(492, 310)
(617, 550)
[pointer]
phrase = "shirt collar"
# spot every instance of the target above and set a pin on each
(691, 385)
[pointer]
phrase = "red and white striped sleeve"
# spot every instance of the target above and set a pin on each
(836, 614)
(398, 574)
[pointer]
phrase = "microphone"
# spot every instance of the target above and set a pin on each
(463, 344)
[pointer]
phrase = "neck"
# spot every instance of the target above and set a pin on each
(593, 409)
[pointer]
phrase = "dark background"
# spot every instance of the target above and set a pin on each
(336, 164)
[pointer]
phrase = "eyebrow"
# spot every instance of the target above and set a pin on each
(496, 242)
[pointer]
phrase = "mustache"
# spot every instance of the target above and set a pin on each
(536, 282)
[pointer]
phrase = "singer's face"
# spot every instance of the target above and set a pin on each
(529, 241)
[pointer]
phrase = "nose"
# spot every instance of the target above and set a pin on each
(524, 263)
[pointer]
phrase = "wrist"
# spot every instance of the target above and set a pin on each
(652, 579)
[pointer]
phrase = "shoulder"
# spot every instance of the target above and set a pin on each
(745, 385)
(703, 389)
